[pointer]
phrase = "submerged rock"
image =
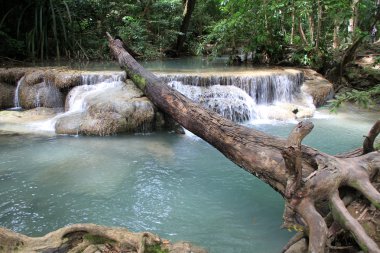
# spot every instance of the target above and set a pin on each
(91, 238)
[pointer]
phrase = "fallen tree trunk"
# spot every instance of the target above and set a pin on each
(307, 178)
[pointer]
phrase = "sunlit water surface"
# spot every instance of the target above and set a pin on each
(176, 186)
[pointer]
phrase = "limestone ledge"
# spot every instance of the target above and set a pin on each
(114, 109)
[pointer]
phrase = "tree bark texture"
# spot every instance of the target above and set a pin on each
(336, 35)
(187, 12)
(292, 32)
(306, 177)
(302, 33)
(311, 28)
(319, 24)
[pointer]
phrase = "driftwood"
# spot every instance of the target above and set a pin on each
(307, 178)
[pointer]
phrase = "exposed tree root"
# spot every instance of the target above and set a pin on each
(345, 219)
(324, 184)
(293, 240)
(90, 238)
(368, 145)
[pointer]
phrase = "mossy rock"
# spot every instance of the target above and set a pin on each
(97, 239)
(155, 249)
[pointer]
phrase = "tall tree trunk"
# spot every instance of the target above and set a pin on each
(336, 42)
(293, 24)
(311, 28)
(319, 24)
(303, 175)
(187, 12)
(265, 3)
(302, 33)
(354, 16)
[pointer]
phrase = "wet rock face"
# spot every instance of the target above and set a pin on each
(320, 89)
(6, 95)
(40, 95)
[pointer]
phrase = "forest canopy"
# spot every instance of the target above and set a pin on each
(313, 31)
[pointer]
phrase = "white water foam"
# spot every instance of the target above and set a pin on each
(76, 99)
(236, 104)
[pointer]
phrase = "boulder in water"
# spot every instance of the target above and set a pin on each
(319, 88)
(105, 109)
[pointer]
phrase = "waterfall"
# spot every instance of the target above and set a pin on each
(92, 78)
(244, 97)
(92, 83)
(76, 99)
(16, 100)
(264, 89)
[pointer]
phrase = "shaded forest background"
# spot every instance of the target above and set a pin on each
(309, 33)
(313, 31)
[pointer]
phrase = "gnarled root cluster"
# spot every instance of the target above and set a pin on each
(316, 204)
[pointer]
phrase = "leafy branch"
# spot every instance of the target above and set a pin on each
(364, 99)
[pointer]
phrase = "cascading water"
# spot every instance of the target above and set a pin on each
(76, 99)
(92, 78)
(16, 100)
(239, 96)
(92, 83)
(246, 97)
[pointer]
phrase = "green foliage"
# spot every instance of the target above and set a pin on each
(377, 60)
(96, 239)
(10, 46)
(49, 25)
(155, 249)
(364, 99)
(75, 28)
(153, 30)
(296, 228)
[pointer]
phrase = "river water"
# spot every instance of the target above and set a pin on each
(177, 186)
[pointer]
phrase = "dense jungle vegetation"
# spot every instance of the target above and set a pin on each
(43, 29)
(322, 34)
